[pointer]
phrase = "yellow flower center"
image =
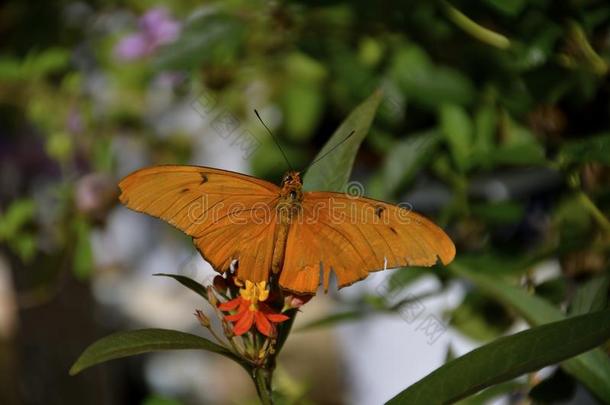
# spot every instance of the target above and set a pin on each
(254, 292)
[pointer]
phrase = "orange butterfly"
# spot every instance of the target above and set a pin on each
(260, 230)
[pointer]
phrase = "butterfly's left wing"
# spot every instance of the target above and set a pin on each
(354, 236)
(230, 216)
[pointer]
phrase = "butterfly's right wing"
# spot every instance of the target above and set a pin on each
(355, 236)
(230, 216)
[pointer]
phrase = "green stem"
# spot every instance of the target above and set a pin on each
(597, 63)
(262, 375)
(594, 211)
(475, 30)
(284, 330)
(262, 380)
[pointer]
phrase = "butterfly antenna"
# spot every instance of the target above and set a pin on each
(331, 149)
(274, 139)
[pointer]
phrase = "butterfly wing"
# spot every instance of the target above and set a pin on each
(354, 236)
(229, 215)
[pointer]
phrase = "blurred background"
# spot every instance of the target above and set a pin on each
(494, 122)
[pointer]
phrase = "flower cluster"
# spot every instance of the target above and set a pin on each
(249, 313)
(250, 310)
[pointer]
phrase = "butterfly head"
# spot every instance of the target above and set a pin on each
(292, 185)
(292, 178)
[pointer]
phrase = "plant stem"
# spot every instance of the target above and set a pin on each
(262, 376)
(597, 63)
(262, 380)
(475, 30)
(594, 211)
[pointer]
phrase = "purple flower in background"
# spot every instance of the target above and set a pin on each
(156, 28)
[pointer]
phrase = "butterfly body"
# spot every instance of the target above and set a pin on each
(288, 207)
(242, 222)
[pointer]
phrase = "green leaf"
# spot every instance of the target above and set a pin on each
(303, 96)
(507, 358)
(457, 128)
(10, 69)
(34, 65)
(427, 84)
(19, 213)
(592, 296)
(491, 393)
(592, 369)
(593, 149)
(485, 128)
(333, 172)
(24, 244)
(406, 158)
(530, 153)
(130, 343)
(519, 147)
(187, 282)
(302, 103)
(300, 66)
(46, 62)
(59, 146)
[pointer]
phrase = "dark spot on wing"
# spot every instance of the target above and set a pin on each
(185, 190)
(379, 210)
(204, 178)
(393, 230)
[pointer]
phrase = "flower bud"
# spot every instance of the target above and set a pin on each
(220, 284)
(212, 297)
(202, 318)
(295, 301)
(227, 329)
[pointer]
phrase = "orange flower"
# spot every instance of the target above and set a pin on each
(252, 311)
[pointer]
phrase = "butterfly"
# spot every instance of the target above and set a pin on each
(259, 230)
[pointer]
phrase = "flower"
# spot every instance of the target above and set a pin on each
(156, 28)
(251, 310)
